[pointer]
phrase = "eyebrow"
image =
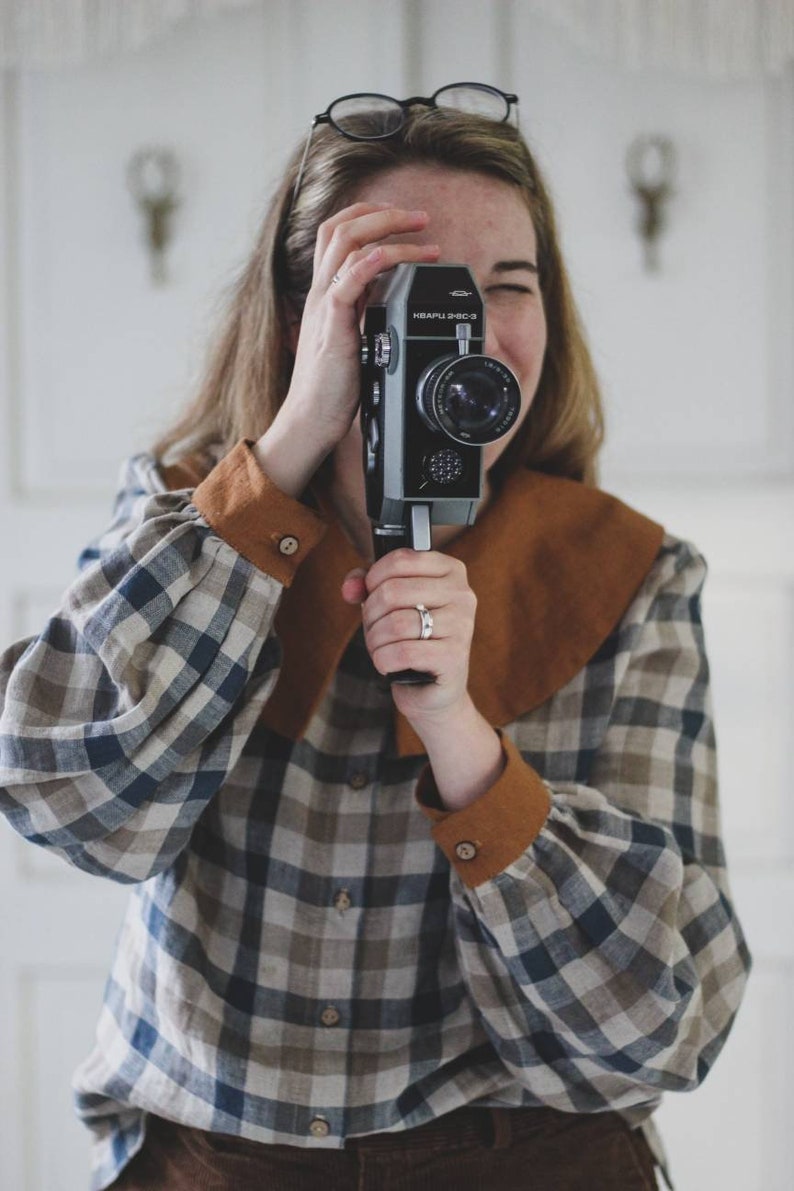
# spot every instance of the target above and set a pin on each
(509, 266)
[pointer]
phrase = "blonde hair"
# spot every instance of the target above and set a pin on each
(249, 368)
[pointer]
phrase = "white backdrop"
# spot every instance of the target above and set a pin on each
(697, 364)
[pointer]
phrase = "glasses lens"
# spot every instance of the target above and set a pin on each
(366, 117)
(475, 100)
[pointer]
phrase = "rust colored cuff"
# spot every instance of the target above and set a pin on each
(261, 522)
(482, 839)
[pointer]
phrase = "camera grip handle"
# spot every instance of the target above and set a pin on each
(416, 534)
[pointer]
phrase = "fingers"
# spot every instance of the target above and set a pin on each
(358, 225)
(329, 225)
(393, 625)
(405, 624)
(350, 282)
(353, 234)
(404, 578)
(426, 656)
(354, 587)
(350, 253)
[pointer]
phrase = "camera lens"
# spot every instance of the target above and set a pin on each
(472, 399)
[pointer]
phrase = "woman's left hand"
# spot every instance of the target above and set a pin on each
(464, 751)
(389, 593)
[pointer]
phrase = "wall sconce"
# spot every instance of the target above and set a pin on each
(650, 164)
(153, 178)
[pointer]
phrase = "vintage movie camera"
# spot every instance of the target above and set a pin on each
(430, 401)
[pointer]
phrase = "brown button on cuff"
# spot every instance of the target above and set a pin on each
(466, 850)
(253, 515)
(492, 832)
(358, 780)
(319, 1127)
(342, 900)
(330, 1016)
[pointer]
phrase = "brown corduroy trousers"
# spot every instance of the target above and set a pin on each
(471, 1149)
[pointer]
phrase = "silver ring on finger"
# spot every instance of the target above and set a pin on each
(335, 280)
(426, 626)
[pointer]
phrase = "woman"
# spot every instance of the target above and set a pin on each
(384, 936)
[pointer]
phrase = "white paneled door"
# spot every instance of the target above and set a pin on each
(698, 371)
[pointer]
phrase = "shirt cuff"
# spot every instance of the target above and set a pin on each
(261, 522)
(483, 838)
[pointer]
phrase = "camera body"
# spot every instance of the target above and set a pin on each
(430, 401)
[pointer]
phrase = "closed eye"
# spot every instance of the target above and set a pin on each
(507, 287)
(508, 291)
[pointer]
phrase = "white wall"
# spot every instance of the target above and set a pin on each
(697, 367)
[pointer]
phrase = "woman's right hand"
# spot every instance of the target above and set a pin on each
(324, 391)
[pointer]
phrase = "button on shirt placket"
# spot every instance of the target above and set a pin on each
(330, 1016)
(358, 780)
(330, 1022)
(334, 1015)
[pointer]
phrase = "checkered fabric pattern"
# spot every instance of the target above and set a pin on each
(300, 962)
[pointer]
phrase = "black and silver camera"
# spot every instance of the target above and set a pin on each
(430, 401)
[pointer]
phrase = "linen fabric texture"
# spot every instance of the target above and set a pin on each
(309, 955)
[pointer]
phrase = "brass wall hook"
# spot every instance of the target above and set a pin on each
(651, 166)
(153, 179)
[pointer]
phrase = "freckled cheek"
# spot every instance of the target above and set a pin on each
(524, 356)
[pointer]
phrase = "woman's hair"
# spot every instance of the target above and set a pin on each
(249, 368)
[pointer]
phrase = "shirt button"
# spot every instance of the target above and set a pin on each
(342, 900)
(358, 780)
(288, 544)
(465, 850)
(319, 1127)
(330, 1016)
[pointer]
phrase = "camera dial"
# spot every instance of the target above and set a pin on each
(472, 399)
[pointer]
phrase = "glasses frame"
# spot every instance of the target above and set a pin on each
(430, 101)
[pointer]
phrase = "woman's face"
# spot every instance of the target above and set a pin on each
(482, 222)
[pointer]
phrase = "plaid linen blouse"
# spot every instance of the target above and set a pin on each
(314, 948)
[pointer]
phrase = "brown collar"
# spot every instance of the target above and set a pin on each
(554, 566)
